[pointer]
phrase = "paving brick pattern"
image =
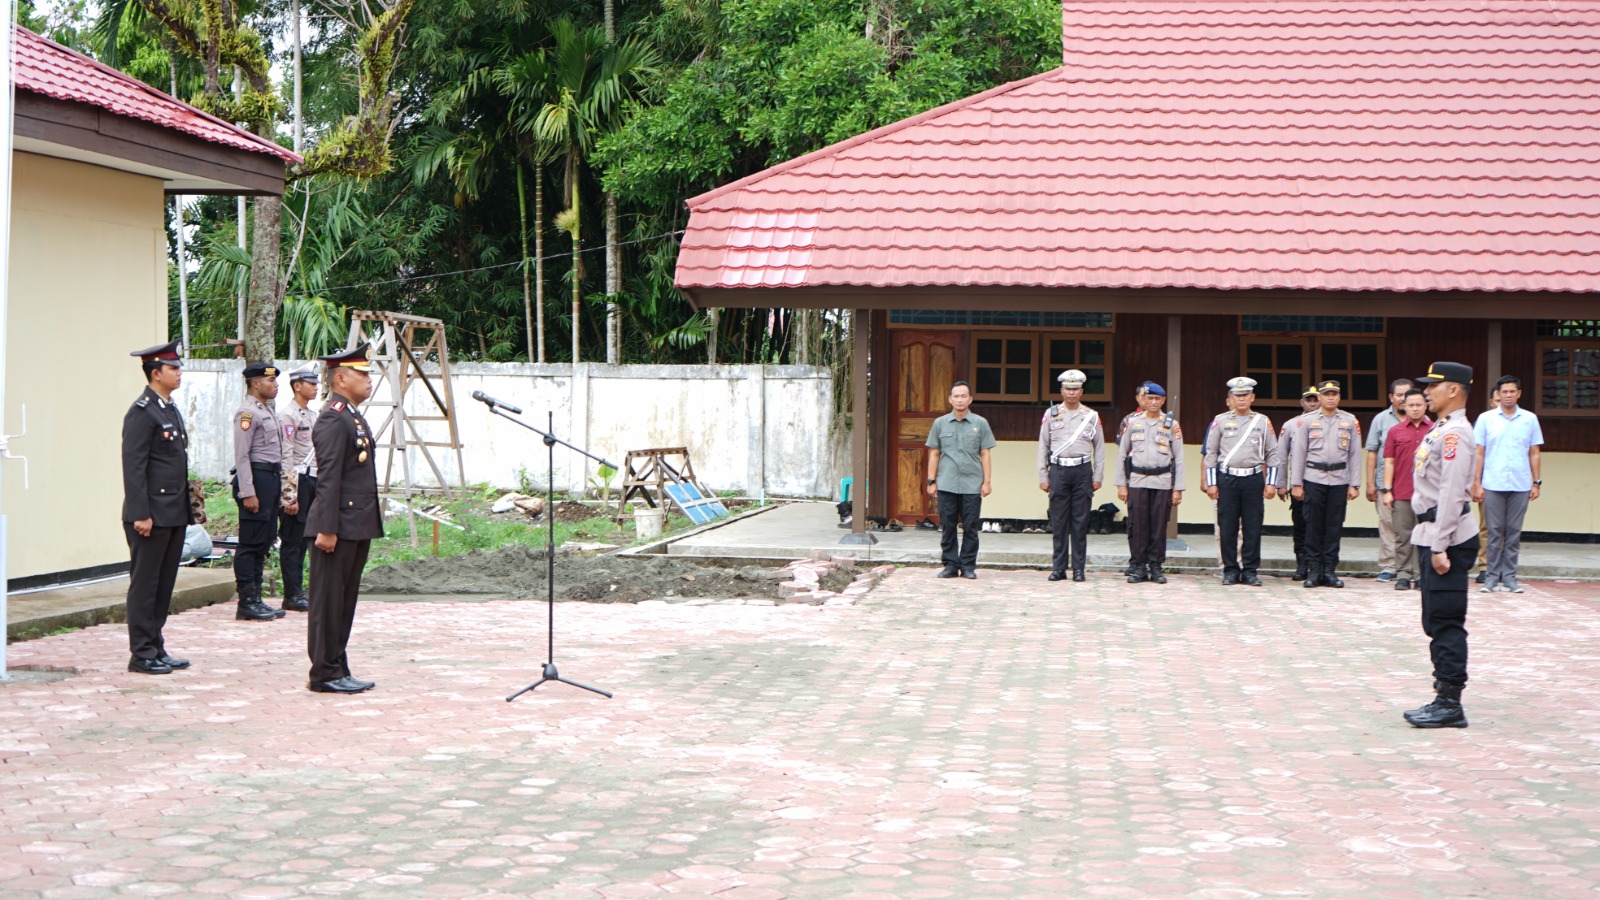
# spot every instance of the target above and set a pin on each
(939, 738)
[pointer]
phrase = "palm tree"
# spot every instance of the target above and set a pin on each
(592, 81)
(527, 83)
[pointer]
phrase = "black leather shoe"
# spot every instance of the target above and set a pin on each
(1403, 584)
(1482, 576)
(253, 611)
(364, 685)
(339, 686)
(948, 572)
(1300, 573)
(1057, 576)
(969, 573)
(1156, 577)
(1313, 579)
(1138, 576)
(148, 666)
(172, 662)
(298, 602)
(1230, 578)
(1251, 579)
(1077, 574)
(1331, 580)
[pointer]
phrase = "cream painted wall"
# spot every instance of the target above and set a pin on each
(1569, 503)
(88, 285)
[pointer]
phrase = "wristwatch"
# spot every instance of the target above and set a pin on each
(1385, 490)
(1537, 483)
(933, 481)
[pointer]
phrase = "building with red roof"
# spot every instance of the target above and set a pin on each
(95, 155)
(1287, 189)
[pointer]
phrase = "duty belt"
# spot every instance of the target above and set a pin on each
(1241, 473)
(1432, 515)
(1325, 467)
(1140, 470)
(1069, 461)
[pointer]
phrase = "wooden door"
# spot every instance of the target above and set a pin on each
(923, 364)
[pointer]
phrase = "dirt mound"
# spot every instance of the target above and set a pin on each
(519, 572)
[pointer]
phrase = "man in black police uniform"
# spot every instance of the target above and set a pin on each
(155, 506)
(1446, 538)
(345, 518)
(257, 487)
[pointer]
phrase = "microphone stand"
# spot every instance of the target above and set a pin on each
(550, 441)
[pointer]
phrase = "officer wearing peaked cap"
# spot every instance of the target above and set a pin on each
(1292, 430)
(1326, 473)
(1241, 469)
(257, 487)
(155, 506)
(299, 484)
(1149, 480)
(1447, 533)
(344, 517)
(1072, 451)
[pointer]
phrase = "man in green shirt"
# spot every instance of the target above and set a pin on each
(958, 465)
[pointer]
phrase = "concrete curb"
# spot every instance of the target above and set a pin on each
(38, 614)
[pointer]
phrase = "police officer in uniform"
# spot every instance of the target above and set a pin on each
(1446, 536)
(1326, 474)
(1150, 482)
(300, 485)
(1241, 462)
(1072, 452)
(257, 487)
(344, 517)
(1292, 429)
(155, 506)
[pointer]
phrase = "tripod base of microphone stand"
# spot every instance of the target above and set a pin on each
(550, 674)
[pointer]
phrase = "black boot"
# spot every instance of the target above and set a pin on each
(297, 600)
(1329, 579)
(1444, 712)
(1155, 574)
(1313, 576)
(1300, 570)
(1138, 574)
(251, 607)
(262, 594)
(1437, 685)
(1077, 573)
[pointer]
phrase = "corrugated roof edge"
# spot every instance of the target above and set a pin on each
(266, 145)
(874, 134)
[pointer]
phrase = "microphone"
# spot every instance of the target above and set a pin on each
(480, 395)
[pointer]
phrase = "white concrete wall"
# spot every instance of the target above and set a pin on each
(747, 428)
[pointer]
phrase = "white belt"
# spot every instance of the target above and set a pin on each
(1069, 461)
(1243, 472)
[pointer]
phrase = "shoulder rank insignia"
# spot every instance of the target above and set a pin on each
(337, 406)
(142, 402)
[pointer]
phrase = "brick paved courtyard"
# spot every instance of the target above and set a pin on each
(1006, 737)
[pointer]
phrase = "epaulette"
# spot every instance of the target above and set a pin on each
(1053, 412)
(338, 406)
(142, 402)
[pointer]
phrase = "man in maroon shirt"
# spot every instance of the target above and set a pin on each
(1399, 451)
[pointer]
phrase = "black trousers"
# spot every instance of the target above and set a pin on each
(152, 571)
(1240, 502)
(1148, 510)
(1325, 506)
(1297, 515)
(966, 509)
(1444, 610)
(257, 530)
(292, 539)
(335, 584)
(1071, 490)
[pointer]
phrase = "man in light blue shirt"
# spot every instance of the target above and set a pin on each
(1506, 479)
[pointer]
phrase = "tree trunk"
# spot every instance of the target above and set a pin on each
(527, 297)
(801, 325)
(713, 315)
(577, 267)
(538, 252)
(613, 283)
(266, 286)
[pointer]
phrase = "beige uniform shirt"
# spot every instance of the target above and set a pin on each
(1442, 482)
(297, 456)
(1327, 441)
(1151, 444)
(1072, 437)
(257, 437)
(1257, 446)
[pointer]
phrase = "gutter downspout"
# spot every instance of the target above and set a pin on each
(7, 113)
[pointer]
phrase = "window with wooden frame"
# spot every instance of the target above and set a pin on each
(1568, 380)
(1005, 366)
(1088, 353)
(1283, 365)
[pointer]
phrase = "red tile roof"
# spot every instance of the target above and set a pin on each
(43, 66)
(1307, 144)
